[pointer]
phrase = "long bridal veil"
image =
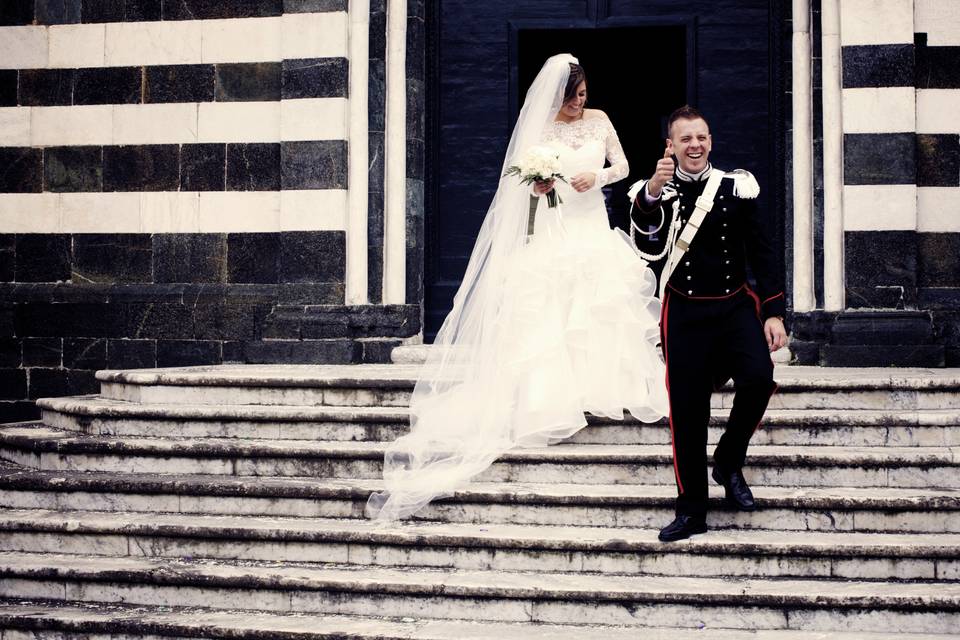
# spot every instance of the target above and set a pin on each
(469, 404)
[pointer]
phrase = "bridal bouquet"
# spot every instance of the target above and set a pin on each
(538, 164)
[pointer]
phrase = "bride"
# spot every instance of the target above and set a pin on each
(544, 327)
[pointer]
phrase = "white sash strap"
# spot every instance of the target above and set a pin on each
(703, 207)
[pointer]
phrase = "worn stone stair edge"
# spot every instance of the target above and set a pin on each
(97, 406)
(100, 407)
(796, 455)
(432, 583)
(403, 376)
(417, 354)
(13, 477)
(374, 376)
(503, 537)
(248, 625)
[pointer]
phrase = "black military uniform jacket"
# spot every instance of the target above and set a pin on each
(732, 236)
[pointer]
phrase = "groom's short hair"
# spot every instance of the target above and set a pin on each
(686, 112)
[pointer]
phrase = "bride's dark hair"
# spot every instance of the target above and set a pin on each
(577, 75)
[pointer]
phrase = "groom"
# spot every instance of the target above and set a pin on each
(713, 325)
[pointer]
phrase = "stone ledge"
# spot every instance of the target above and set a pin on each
(144, 621)
(404, 375)
(837, 595)
(97, 406)
(417, 354)
(845, 355)
(811, 544)
(41, 439)
(882, 328)
(15, 478)
(293, 375)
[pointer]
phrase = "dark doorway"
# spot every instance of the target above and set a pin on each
(643, 59)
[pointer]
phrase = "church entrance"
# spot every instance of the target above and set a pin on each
(643, 59)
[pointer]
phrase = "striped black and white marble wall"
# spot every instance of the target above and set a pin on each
(901, 155)
(885, 206)
(179, 125)
(175, 186)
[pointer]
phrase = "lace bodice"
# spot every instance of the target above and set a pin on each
(594, 129)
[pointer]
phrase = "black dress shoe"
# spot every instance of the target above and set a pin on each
(736, 488)
(683, 527)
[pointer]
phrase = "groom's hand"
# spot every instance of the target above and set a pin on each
(663, 174)
(775, 333)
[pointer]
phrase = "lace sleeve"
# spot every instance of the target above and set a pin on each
(619, 167)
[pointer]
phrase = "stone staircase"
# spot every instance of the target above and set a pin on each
(227, 502)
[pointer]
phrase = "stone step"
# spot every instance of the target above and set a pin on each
(555, 598)
(95, 415)
(508, 548)
(39, 447)
(301, 385)
(626, 505)
(418, 353)
(23, 620)
(390, 385)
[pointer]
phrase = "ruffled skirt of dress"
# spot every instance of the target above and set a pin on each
(575, 331)
(586, 327)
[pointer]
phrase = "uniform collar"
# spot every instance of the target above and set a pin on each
(683, 176)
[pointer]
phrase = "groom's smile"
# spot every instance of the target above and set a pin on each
(691, 144)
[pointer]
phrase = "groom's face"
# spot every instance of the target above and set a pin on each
(691, 143)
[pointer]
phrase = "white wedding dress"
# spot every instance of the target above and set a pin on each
(543, 329)
(582, 302)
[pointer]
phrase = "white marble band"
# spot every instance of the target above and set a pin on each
(938, 209)
(117, 44)
(880, 207)
(880, 110)
(875, 21)
(173, 212)
(937, 111)
(939, 19)
(177, 123)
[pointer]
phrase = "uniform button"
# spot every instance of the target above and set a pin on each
(690, 293)
(728, 277)
(724, 224)
(726, 290)
(721, 197)
(727, 262)
(724, 210)
(687, 263)
(723, 238)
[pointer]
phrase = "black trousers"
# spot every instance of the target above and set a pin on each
(705, 343)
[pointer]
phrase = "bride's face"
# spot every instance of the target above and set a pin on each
(691, 144)
(573, 108)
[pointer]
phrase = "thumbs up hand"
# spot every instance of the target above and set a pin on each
(664, 172)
